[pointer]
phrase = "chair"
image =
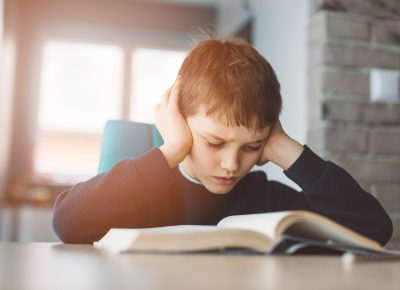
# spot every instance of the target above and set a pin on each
(124, 139)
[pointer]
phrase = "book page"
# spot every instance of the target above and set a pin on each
(181, 238)
(177, 229)
(265, 223)
(117, 239)
(120, 239)
(311, 226)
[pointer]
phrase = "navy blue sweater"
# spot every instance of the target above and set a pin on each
(145, 192)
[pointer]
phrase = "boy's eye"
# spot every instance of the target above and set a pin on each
(214, 145)
(252, 148)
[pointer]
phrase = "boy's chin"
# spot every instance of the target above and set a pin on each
(218, 189)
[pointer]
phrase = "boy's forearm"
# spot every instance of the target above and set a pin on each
(173, 155)
(284, 152)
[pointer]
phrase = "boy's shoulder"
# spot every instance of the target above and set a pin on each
(257, 176)
(256, 182)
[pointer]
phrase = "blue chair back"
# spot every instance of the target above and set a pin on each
(124, 139)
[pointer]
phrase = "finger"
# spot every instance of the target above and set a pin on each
(277, 128)
(165, 96)
(260, 163)
(278, 124)
(174, 95)
(157, 109)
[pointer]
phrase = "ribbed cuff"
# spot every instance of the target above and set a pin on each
(307, 169)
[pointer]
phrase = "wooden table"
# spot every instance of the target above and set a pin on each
(56, 266)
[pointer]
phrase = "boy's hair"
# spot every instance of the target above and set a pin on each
(232, 82)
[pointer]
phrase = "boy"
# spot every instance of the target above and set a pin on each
(219, 119)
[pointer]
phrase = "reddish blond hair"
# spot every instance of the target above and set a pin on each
(232, 82)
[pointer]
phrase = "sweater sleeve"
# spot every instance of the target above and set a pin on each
(331, 191)
(119, 198)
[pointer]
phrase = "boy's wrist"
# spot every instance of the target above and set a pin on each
(285, 152)
(173, 154)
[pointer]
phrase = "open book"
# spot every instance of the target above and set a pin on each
(277, 232)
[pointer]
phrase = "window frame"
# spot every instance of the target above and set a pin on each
(26, 119)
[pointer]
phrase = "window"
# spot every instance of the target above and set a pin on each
(153, 71)
(81, 87)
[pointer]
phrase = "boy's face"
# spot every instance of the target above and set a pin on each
(221, 155)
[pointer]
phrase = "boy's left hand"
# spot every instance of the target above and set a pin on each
(279, 148)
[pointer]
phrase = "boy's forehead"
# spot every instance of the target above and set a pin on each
(214, 127)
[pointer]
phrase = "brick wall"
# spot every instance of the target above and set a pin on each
(347, 39)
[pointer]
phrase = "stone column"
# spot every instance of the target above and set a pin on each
(347, 39)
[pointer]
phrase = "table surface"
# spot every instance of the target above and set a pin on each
(61, 266)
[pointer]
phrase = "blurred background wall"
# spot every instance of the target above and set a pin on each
(322, 51)
(353, 122)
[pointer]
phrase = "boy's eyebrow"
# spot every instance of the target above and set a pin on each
(225, 140)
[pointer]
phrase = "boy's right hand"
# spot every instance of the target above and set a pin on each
(173, 127)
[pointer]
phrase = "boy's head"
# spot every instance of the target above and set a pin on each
(232, 82)
(230, 97)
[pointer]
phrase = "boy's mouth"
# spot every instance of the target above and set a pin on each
(225, 180)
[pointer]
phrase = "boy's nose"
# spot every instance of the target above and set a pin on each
(230, 162)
